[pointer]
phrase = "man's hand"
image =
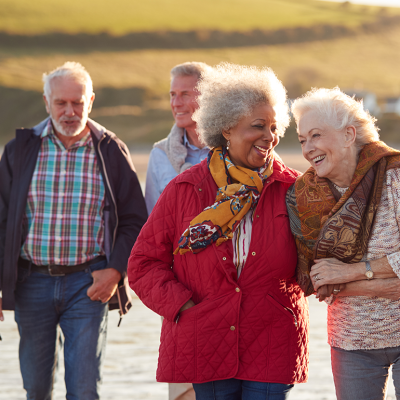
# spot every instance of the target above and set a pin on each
(1, 310)
(105, 284)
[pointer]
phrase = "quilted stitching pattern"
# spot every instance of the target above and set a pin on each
(247, 334)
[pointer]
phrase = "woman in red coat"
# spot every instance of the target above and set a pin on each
(217, 258)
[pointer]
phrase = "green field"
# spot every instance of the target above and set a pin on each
(119, 17)
(365, 61)
(132, 85)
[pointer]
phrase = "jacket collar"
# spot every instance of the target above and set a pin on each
(174, 147)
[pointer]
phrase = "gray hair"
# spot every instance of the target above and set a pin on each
(191, 68)
(338, 110)
(230, 92)
(69, 69)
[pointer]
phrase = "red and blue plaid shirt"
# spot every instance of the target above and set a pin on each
(64, 211)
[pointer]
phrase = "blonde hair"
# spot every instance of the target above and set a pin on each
(230, 92)
(338, 110)
(69, 69)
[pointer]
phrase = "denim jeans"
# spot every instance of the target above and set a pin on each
(235, 389)
(363, 374)
(44, 304)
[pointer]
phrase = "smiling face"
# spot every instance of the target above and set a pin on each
(183, 101)
(68, 106)
(253, 138)
(332, 153)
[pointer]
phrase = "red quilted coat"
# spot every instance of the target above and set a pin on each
(252, 328)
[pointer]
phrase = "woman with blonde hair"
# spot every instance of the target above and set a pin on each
(345, 216)
(217, 259)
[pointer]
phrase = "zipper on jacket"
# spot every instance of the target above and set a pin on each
(111, 193)
(294, 316)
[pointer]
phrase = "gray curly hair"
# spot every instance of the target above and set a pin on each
(338, 110)
(230, 92)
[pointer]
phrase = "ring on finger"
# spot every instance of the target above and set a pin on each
(336, 291)
(316, 277)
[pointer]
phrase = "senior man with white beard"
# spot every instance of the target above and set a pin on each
(71, 208)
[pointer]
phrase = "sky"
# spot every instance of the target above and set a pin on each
(389, 3)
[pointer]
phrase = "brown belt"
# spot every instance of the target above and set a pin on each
(58, 270)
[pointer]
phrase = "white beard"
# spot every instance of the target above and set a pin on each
(69, 132)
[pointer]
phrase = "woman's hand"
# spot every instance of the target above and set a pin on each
(327, 290)
(187, 305)
(330, 271)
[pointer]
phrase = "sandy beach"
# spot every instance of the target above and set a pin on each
(132, 349)
(131, 359)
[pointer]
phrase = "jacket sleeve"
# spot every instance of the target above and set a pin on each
(150, 271)
(5, 189)
(153, 189)
(131, 208)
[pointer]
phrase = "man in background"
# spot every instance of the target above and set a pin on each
(176, 153)
(71, 209)
(181, 148)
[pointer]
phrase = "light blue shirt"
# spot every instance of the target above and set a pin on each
(160, 171)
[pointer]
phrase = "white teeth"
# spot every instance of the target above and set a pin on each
(319, 158)
(261, 149)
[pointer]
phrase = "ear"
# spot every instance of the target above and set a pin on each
(350, 135)
(91, 103)
(226, 135)
(46, 104)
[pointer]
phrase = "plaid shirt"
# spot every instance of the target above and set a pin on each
(64, 211)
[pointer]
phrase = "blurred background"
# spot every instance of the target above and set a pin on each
(129, 47)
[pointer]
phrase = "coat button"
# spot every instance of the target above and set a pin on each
(253, 253)
(257, 216)
(200, 189)
(232, 328)
(237, 289)
(224, 258)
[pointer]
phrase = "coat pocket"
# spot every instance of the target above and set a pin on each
(202, 346)
(288, 312)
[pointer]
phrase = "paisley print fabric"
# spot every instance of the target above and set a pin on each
(326, 224)
(238, 192)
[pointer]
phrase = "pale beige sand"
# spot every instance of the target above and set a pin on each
(131, 361)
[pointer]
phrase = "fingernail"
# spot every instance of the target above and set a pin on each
(1, 318)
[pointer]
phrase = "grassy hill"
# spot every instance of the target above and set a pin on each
(132, 85)
(119, 17)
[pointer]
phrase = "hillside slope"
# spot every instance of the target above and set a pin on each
(123, 16)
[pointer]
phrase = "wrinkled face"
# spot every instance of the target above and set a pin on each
(326, 149)
(253, 138)
(68, 106)
(183, 100)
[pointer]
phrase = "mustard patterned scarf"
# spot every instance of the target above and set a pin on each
(239, 190)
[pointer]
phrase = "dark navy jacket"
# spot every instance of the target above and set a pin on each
(124, 209)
